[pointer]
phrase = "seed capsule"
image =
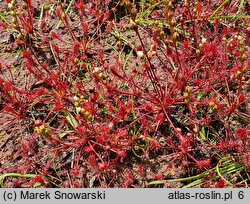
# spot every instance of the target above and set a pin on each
(162, 34)
(63, 16)
(86, 114)
(245, 69)
(19, 36)
(242, 50)
(175, 35)
(173, 22)
(169, 6)
(238, 73)
(82, 97)
(211, 104)
(243, 57)
(239, 38)
(241, 42)
(100, 75)
(201, 45)
(77, 104)
(198, 52)
(215, 107)
(90, 118)
(186, 95)
(24, 6)
(42, 130)
(188, 89)
(82, 111)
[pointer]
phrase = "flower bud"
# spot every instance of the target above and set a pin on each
(13, 13)
(178, 130)
(133, 24)
(173, 22)
(15, 26)
(169, 5)
(133, 13)
(170, 15)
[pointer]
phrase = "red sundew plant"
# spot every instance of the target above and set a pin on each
(122, 94)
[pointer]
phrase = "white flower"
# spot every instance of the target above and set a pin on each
(78, 109)
(10, 6)
(96, 69)
(75, 98)
(203, 40)
(140, 54)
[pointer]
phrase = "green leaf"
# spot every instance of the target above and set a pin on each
(71, 119)
(201, 95)
(3, 176)
(202, 133)
(220, 7)
(64, 134)
(37, 184)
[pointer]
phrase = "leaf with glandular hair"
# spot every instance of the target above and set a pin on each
(115, 71)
